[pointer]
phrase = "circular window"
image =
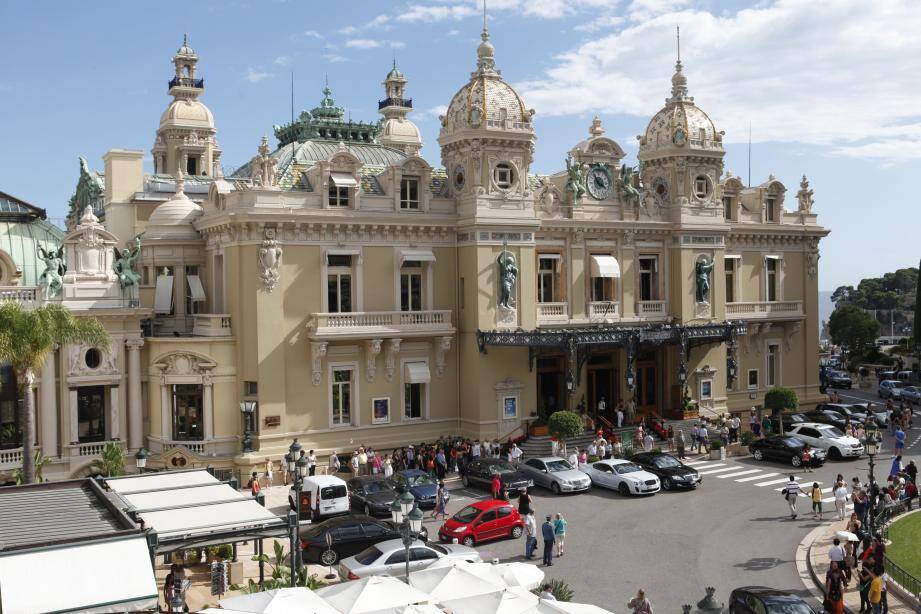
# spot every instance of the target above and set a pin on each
(702, 186)
(92, 358)
(459, 177)
(504, 175)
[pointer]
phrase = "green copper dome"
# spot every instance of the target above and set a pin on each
(23, 229)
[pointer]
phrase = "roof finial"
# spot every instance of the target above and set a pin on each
(678, 36)
(679, 81)
(484, 15)
(185, 40)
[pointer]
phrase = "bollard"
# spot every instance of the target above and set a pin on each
(260, 498)
(233, 483)
(686, 608)
(708, 603)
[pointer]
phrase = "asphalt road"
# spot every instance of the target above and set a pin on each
(732, 531)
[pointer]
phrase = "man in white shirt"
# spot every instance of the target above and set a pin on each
(530, 540)
(602, 405)
(620, 415)
(791, 493)
(515, 453)
(836, 553)
(546, 593)
(841, 497)
(475, 451)
(591, 449)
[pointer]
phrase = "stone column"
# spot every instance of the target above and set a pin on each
(74, 418)
(135, 417)
(48, 406)
(114, 430)
(166, 413)
(207, 400)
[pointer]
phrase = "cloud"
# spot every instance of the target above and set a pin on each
(452, 32)
(255, 76)
(348, 30)
(428, 13)
(433, 112)
(313, 34)
(846, 80)
(380, 21)
(334, 58)
(396, 44)
(282, 60)
(362, 43)
(605, 22)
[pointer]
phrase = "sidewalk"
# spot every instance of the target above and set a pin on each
(812, 564)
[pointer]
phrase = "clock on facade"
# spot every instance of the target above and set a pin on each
(599, 182)
(459, 177)
(681, 137)
(660, 188)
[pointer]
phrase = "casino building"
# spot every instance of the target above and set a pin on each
(341, 289)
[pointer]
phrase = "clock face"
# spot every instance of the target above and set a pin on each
(599, 182)
(660, 187)
(459, 177)
(476, 117)
(680, 137)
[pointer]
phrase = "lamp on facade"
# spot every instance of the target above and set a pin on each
(140, 459)
(293, 450)
(732, 368)
(248, 408)
(683, 374)
(631, 379)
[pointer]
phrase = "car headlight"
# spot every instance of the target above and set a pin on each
(460, 529)
(678, 478)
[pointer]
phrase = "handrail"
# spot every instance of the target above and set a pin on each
(605, 421)
(902, 577)
(522, 425)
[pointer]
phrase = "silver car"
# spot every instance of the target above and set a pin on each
(389, 557)
(556, 474)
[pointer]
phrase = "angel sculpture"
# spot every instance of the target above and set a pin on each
(124, 264)
(625, 184)
(52, 279)
(576, 183)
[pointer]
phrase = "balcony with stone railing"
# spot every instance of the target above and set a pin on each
(652, 310)
(10, 459)
(358, 324)
(603, 311)
(211, 325)
(765, 310)
(27, 295)
(552, 313)
(91, 449)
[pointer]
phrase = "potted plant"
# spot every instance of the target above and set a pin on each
(778, 399)
(539, 428)
(747, 438)
(565, 425)
(717, 451)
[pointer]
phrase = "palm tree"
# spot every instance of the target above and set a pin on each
(27, 338)
(111, 463)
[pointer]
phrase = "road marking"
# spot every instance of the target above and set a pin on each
(757, 477)
(697, 463)
(709, 466)
(732, 475)
(716, 470)
(774, 482)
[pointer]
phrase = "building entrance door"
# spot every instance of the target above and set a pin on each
(647, 387)
(91, 413)
(602, 382)
(550, 383)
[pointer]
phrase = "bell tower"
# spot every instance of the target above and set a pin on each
(396, 130)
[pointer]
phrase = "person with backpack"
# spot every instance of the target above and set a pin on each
(791, 493)
(253, 484)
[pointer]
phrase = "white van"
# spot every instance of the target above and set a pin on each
(322, 496)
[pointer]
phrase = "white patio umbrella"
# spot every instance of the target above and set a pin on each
(510, 574)
(547, 606)
(279, 601)
(371, 594)
(454, 582)
(847, 536)
(420, 609)
(515, 600)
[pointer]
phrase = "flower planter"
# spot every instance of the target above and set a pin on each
(539, 431)
(718, 454)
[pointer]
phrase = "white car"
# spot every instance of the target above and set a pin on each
(623, 476)
(827, 437)
(890, 389)
(389, 557)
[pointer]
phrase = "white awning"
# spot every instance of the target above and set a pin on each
(162, 479)
(773, 257)
(605, 266)
(733, 256)
(68, 579)
(343, 180)
(195, 287)
(343, 251)
(416, 373)
(163, 298)
(416, 255)
(549, 257)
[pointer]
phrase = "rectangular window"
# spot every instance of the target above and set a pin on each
(773, 364)
(770, 215)
(188, 417)
(700, 187)
(460, 293)
(91, 414)
(730, 264)
(339, 283)
(546, 278)
(194, 293)
(342, 396)
(411, 288)
(338, 195)
(770, 267)
(649, 278)
(250, 389)
(727, 207)
(412, 400)
(753, 379)
(409, 193)
(602, 289)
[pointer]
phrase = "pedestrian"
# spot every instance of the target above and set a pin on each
(695, 437)
(496, 485)
(530, 543)
(679, 443)
(834, 590)
(515, 453)
(620, 414)
(253, 484)
(283, 468)
(334, 464)
(875, 594)
(574, 457)
(836, 553)
(704, 439)
(640, 604)
(353, 462)
(388, 466)
(441, 501)
(806, 458)
(899, 441)
(791, 493)
(559, 532)
(815, 493)
(648, 443)
(524, 501)
(546, 591)
(363, 462)
(602, 406)
(912, 471)
(311, 463)
(547, 533)
(896, 467)
(268, 472)
(841, 497)
(863, 586)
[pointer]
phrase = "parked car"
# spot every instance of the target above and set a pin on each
(372, 494)
(482, 521)
(836, 444)
(350, 535)
(419, 483)
(912, 394)
(838, 379)
(788, 420)
(670, 471)
(786, 449)
(480, 472)
(624, 476)
(389, 557)
(556, 474)
(855, 413)
(890, 389)
(321, 496)
(826, 416)
(763, 600)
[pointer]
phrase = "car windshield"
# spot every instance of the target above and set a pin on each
(467, 514)
(830, 431)
(558, 465)
(787, 607)
(368, 555)
(333, 492)
(663, 462)
(437, 548)
(419, 480)
(500, 467)
(627, 468)
(378, 487)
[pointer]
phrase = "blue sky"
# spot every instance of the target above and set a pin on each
(830, 89)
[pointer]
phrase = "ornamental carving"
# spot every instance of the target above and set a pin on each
(78, 366)
(791, 330)
(182, 363)
(804, 196)
(269, 262)
(372, 349)
(317, 352)
(812, 258)
(442, 346)
(390, 360)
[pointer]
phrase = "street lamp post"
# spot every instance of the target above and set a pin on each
(871, 452)
(408, 517)
(247, 408)
(140, 459)
(293, 450)
(298, 486)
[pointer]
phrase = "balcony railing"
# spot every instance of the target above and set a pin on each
(11, 459)
(764, 309)
(196, 447)
(651, 309)
(90, 449)
(552, 312)
(507, 124)
(604, 310)
(27, 295)
(186, 82)
(211, 325)
(359, 323)
(406, 103)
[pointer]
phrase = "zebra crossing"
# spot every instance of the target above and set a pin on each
(760, 478)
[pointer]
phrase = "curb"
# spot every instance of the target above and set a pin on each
(804, 566)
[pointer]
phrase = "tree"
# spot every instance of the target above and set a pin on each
(842, 294)
(111, 463)
(916, 329)
(778, 399)
(27, 338)
(853, 328)
(565, 425)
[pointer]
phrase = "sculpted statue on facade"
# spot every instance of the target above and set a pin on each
(269, 261)
(804, 196)
(625, 184)
(52, 278)
(262, 166)
(124, 264)
(508, 276)
(702, 271)
(576, 183)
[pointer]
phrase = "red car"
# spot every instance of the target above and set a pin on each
(482, 521)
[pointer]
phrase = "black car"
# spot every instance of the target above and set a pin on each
(826, 416)
(788, 420)
(786, 449)
(671, 471)
(480, 473)
(372, 494)
(350, 535)
(838, 379)
(856, 412)
(419, 483)
(764, 600)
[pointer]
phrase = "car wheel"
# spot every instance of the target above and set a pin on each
(368, 510)
(464, 481)
(329, 557)
(667, 484)
(555, 488)
(469, 541)
(796, 461)
(516, 532)
(834, 454)
(623, 489)
(758, 455)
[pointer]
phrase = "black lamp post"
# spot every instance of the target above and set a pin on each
(293, 450)
(408, 517)
(140, 459)
(248, 408)
(683, 376)
(301, 469)
(631, 378)
(871, 452)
